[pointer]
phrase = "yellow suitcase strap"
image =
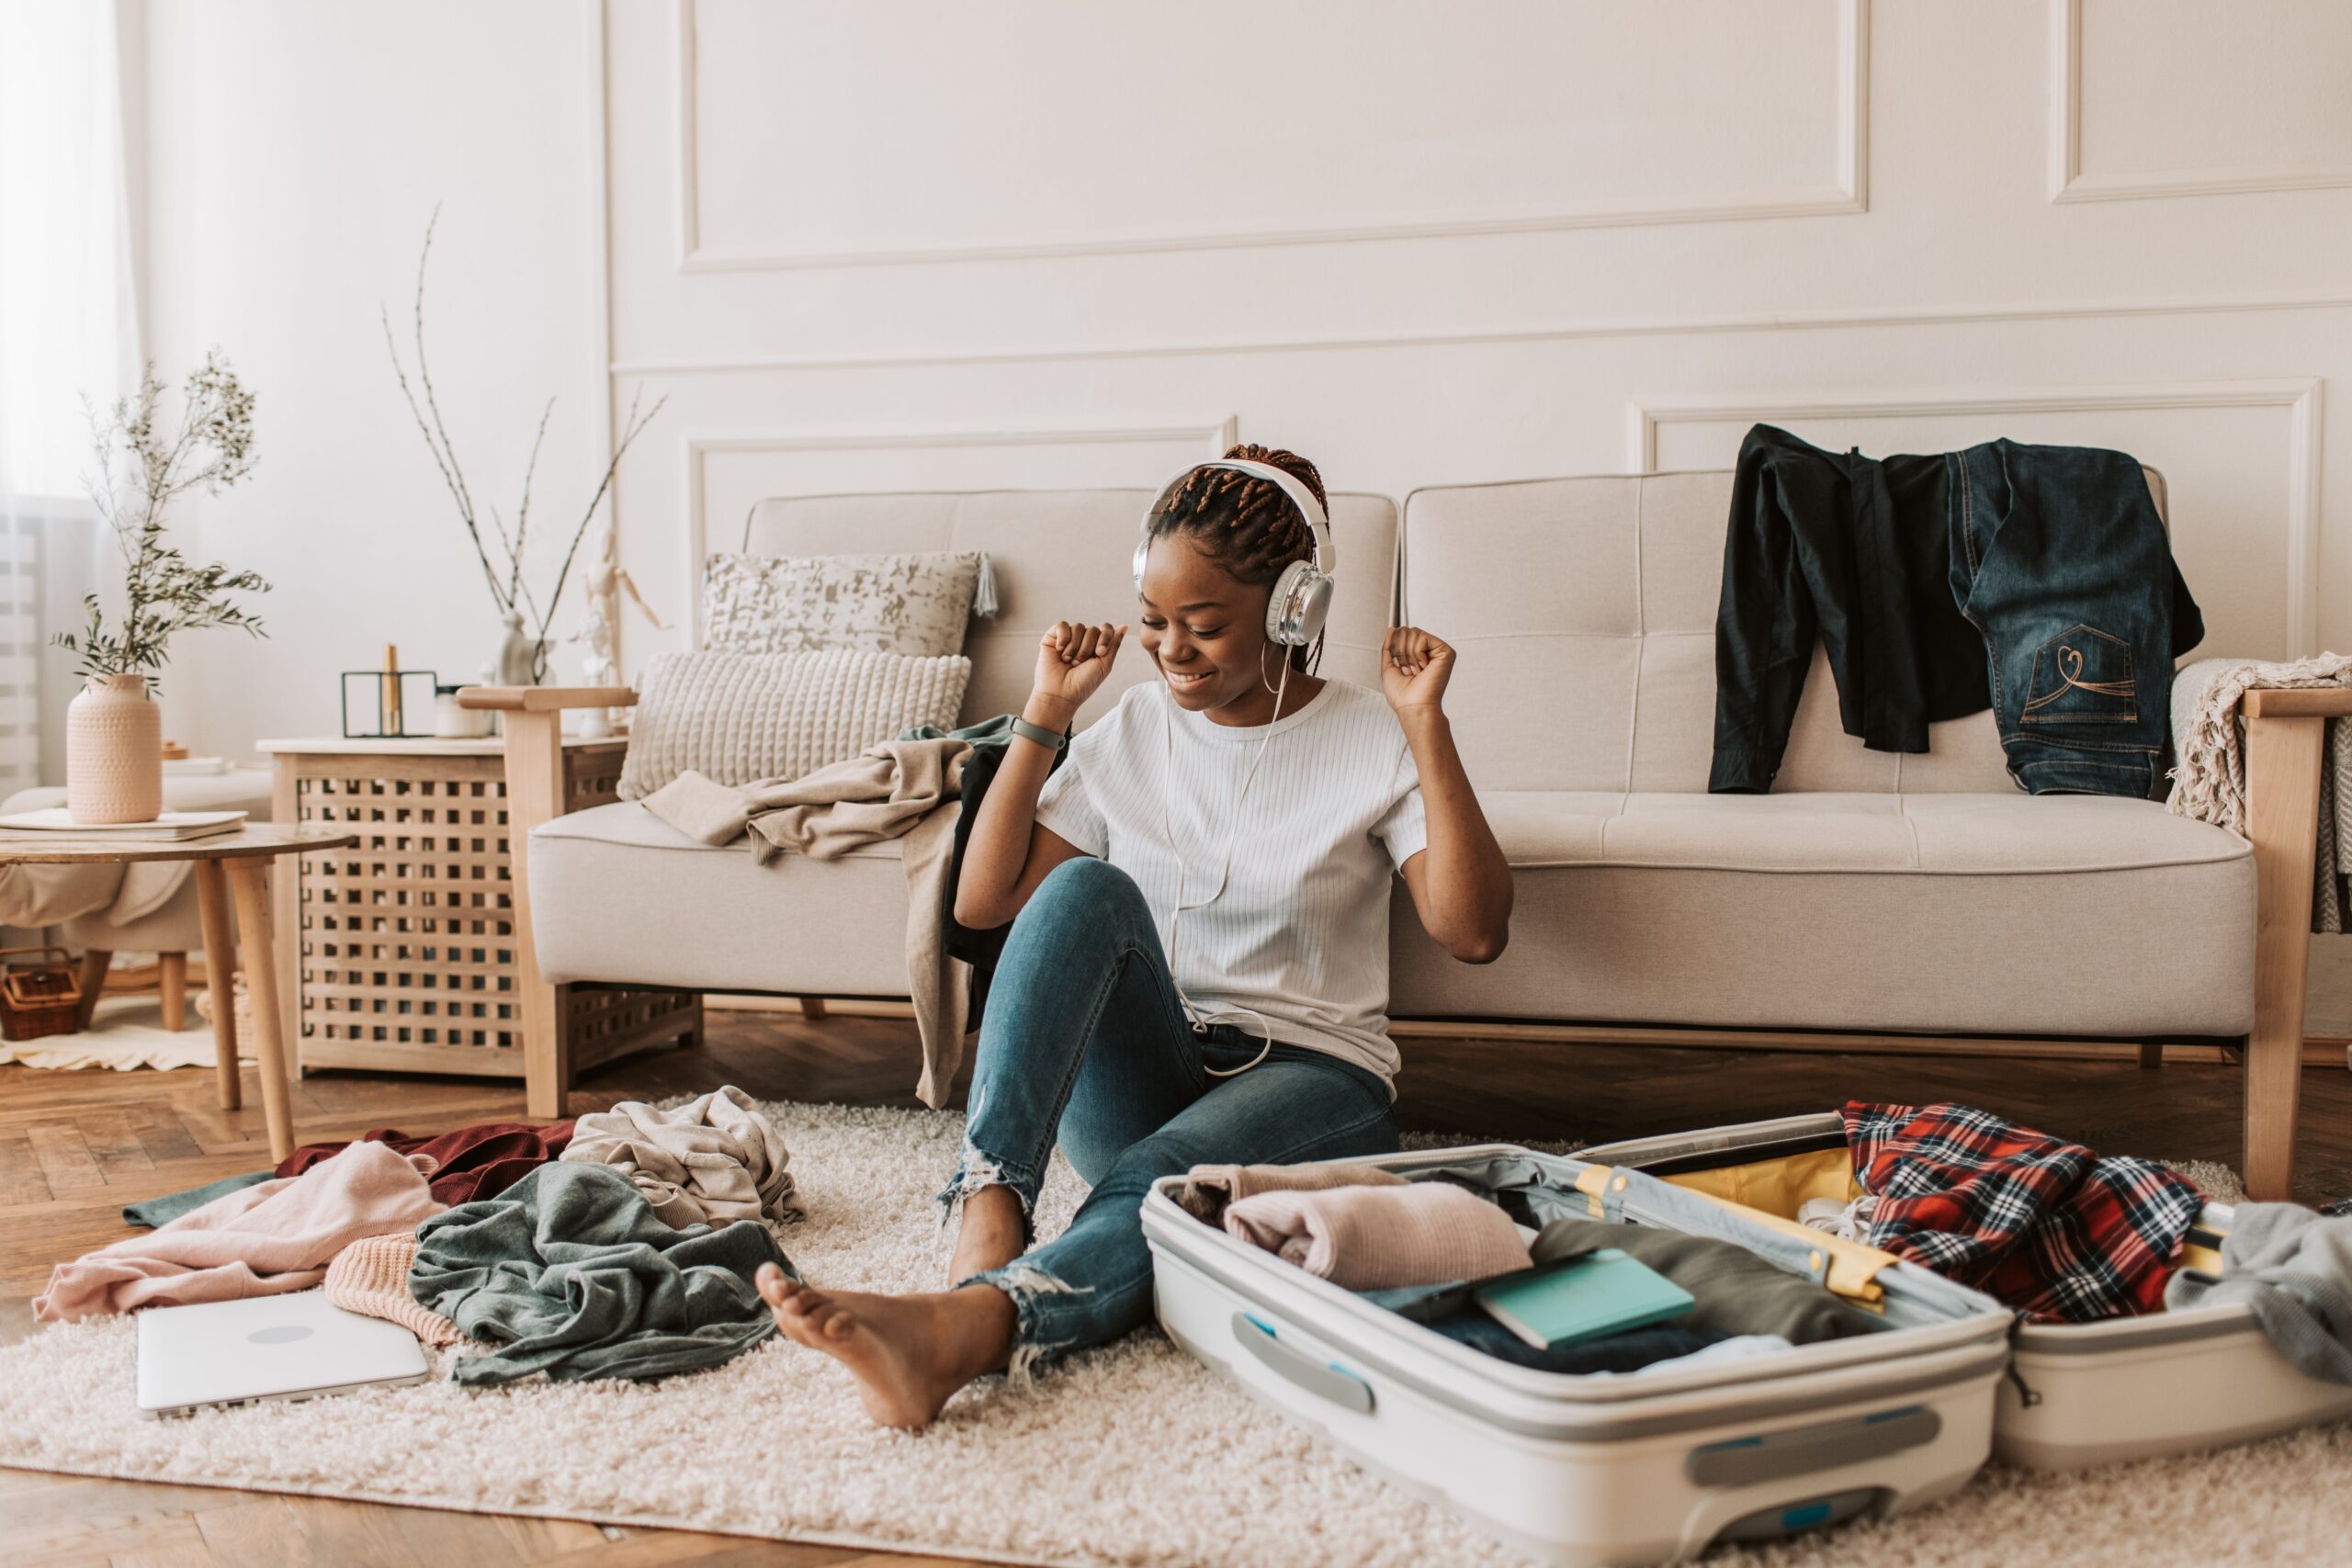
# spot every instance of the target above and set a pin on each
(1853, 1268)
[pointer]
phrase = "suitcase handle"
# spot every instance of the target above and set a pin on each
(1802, 1450)
(1327, 1379)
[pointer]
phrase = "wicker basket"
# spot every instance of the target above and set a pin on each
(243, 1015)
(38, 998)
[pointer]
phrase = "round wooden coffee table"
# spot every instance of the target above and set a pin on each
(225, 862)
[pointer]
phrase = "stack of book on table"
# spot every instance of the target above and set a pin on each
(172, 827)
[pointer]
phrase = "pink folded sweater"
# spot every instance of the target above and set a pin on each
(262, 1241)
(1377, 1238)
(1209, 1188)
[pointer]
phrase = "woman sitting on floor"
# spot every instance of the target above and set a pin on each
(1249, 824)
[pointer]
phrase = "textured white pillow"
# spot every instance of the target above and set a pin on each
(737, 717)
(914, 605)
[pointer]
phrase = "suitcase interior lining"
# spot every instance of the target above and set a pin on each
(1533, 1205)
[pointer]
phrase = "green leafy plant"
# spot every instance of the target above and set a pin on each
(509, 587)
(141, 469)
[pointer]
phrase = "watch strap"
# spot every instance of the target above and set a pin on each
(1051, 740)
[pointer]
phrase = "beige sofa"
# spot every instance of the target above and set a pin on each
(1868, 892)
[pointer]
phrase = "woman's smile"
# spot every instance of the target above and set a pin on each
(1186, 683)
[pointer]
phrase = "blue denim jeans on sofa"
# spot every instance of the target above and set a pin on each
(2035, 580)
(1085, 1044)
(2059, 557)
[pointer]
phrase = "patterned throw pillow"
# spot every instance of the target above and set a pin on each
(912, 604)
(737, 717)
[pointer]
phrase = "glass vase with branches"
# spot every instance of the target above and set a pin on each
(510, 586)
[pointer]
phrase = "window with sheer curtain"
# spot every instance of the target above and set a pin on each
(69, 337)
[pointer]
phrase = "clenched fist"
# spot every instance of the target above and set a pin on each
(1073, 662)
(1414, 668)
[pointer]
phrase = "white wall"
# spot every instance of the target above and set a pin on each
(295, 152)
(908, 242)
(1430, 243)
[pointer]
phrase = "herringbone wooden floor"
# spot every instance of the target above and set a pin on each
(75, 1146)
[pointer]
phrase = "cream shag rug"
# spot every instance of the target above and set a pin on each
(125, 1033)
(1129, 1454)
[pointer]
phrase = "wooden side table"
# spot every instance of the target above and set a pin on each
(413, 954)
(238, 860)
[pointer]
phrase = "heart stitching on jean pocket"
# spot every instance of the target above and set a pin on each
(2082, 676)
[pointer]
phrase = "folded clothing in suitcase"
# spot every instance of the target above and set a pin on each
(2080, 1394)
(1643, 1467)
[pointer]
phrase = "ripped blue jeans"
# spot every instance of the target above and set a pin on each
(1085, 1042)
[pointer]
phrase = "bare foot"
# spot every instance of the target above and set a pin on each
(909, 1354)
(991, 1234)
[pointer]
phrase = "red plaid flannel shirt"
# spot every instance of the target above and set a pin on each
(2046, 1227)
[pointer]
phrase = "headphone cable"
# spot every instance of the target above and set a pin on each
(1199, 1019)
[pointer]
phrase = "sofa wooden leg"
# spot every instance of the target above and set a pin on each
(172, 978)
(2283, 765)
(812, 1008)
(2152, 1054)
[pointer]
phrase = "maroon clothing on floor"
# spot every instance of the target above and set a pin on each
(475, 1162)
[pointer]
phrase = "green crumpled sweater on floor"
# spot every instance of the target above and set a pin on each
(567, 1273)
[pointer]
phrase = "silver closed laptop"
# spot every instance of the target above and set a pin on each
(288, 1346)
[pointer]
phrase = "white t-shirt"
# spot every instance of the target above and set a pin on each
(1299, 936)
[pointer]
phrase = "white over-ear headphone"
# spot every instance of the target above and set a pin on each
(1302, 594)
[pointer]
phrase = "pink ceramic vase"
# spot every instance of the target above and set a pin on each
(114, 753)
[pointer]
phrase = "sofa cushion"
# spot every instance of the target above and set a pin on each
(914, 605)
(1960, 914)
(1598, 596)
(1988, 835)
(740, 717)
(618, 893)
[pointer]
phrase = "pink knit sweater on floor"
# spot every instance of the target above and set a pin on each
(370, 1277)
(263, 1241)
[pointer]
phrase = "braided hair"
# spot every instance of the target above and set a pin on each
(1245, 524)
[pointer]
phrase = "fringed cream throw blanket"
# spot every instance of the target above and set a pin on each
(2209, 784)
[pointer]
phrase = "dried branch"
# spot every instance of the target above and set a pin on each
(425, 372)
(523, 513)
(630, 430)
(444, 455)
(511, 591)
(447, 465)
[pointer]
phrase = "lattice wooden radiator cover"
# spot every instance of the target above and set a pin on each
(405, 954)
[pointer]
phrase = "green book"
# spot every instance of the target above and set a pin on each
(1584, 1298)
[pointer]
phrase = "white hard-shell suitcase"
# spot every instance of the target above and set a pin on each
(2078, 1393)
(1632, 1469)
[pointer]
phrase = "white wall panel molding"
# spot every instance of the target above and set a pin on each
(1210, 438)
(2297, 397)
(1845, 191)
(1553, 332)
(2068, 182)
(598, 337)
